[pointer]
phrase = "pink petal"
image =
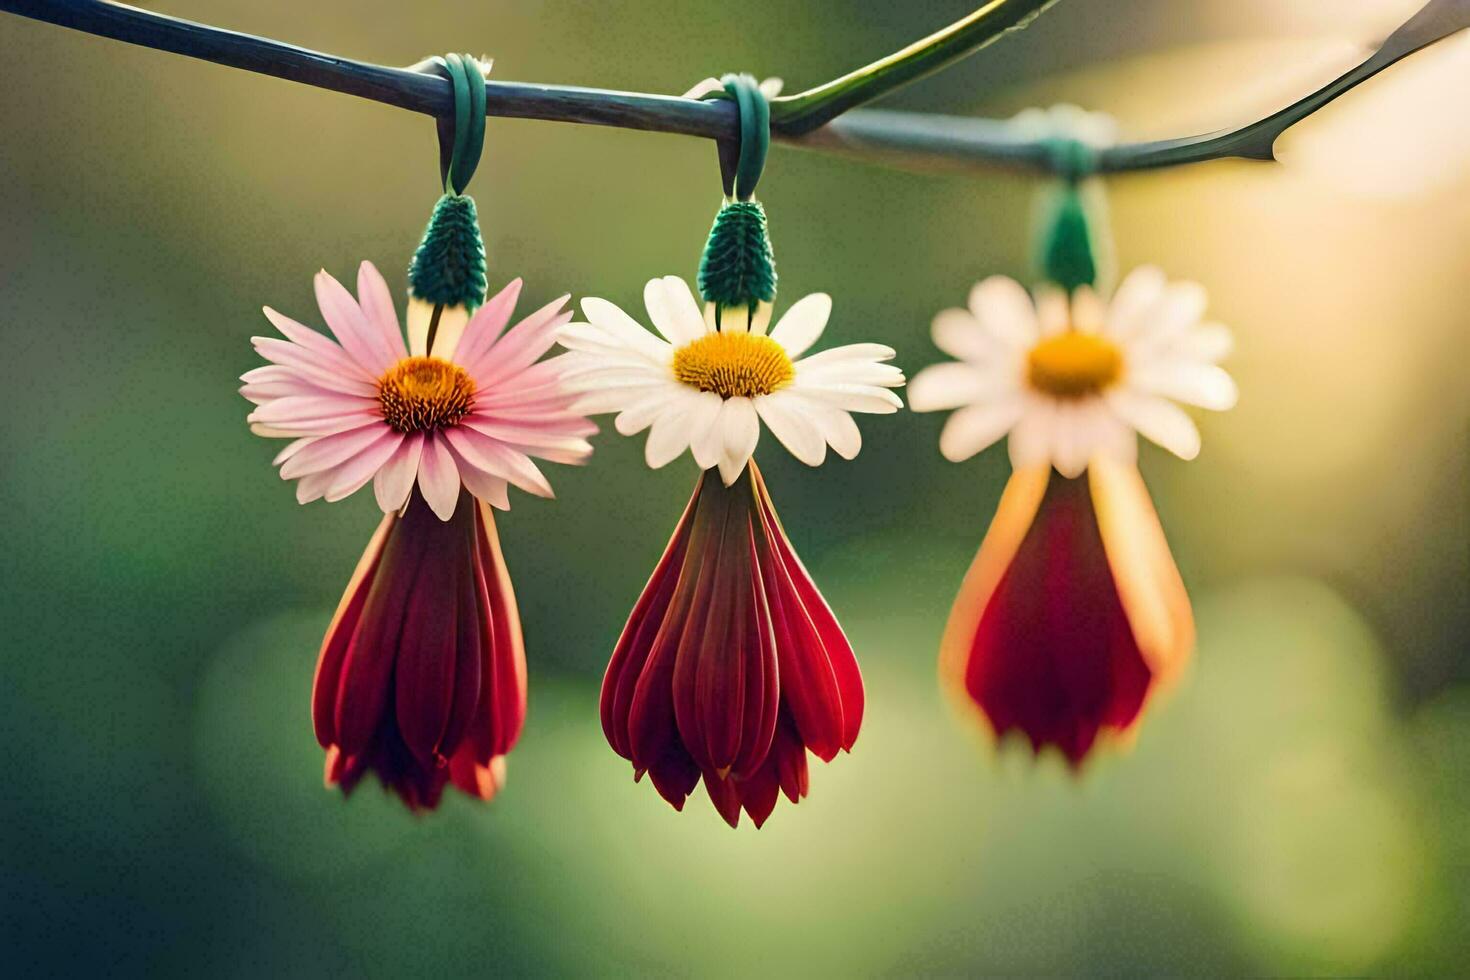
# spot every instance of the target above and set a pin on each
(376, 301)
(548, 442)
(438, 477)
(348, 324)
(395, 477)
(312, 427)
(480, 483)
(293, 449)
(308, 339)
(357, 471)
(310, 408)
(332, 451)
(498, 459)
(312, 487)
(311, 366)
(485, 326)
(521, 346)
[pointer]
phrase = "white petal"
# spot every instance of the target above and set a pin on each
(1071, 439)
(670, 434)
(783, 415)
(1135, 297)
(705, 435)
(1209, 342)
(835, 426)
(841, 432)
(1182, 306)
(959, 334)
(452, 323)
(978, 427)
(1088, 314)
(1030, 440)
(1115, 439)
(1005, 311)
(1190, 382)
(852, 398)
(1053, 311)
(833, 356)
(742, 430)
(1158, 420)
(802, 324)
(640, 414)
(607, 316)
(942, 386)
(673, 311)
(618, 398)
(760, 320)
(438, 477)
(419, 315)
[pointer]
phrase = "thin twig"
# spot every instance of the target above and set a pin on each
(798, 114)
(924, 141)
(895, 138)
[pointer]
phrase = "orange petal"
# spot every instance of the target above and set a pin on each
(1013, 517)
(1147, 579)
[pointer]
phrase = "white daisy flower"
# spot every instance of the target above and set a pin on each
(1069, 381)
(704, 389)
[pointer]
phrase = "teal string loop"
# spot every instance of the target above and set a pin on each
(1068, 243)
(742, 164)
(462, 135)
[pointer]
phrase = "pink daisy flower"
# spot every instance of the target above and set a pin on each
(421, 678)
(471, 412)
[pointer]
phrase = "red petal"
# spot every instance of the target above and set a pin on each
(709, 671)
(325, 684)
(763, 676)
(368, 668)
(636, 642)
(725, 795)
(1053, 654)
(820, 681)
(424, 674)
(784, 770)
(468, 655)
(474, 778)
(505, 653)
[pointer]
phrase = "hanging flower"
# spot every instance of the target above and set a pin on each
(731, 666)
(472, 411)
(421, 677)
(706, 381)
(1073, 612)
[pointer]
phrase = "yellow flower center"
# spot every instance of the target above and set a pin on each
(734, 365)
(423, 393)
(1073, 365)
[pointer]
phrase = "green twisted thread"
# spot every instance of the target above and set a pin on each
(738, 267)
(1068, 254)
(448, 268)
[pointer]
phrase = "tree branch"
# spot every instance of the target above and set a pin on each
(795, 115)
(820, 119)
(956, 142)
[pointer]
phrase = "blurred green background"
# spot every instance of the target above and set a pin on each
(1298, 806)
